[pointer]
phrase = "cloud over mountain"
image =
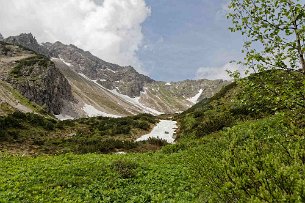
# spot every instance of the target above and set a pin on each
(111, 29)
(213, 73)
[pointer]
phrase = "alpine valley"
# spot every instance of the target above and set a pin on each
(75, 128)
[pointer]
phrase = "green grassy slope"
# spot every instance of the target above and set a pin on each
(252, 140)
(97, 178)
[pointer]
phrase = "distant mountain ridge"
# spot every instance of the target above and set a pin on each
(126, 80)
(27, 41)
(102, 88)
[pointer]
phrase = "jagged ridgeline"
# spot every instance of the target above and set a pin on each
(96, 87)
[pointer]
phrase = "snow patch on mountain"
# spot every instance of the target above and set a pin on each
(64, 117)
(91, 111)
(68, 64)
(108, 69)
(195, 98)
(136, 102)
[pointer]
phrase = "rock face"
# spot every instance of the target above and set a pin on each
(35, 77)
(1, 37)
(126, 80)
(28, 41)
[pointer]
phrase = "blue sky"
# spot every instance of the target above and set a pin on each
(182, 36)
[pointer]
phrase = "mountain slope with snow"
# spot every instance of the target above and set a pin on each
(99, 88)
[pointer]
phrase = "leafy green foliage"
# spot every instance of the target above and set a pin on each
(270, 92)
(97, 178)
(275, 31)
(126, 169)
(209, 115)
(254, 161)
(157, 141)
(92, 144)
(264, 162)
(259, 156)
(113, 126)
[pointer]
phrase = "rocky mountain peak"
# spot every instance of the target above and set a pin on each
(126, 80)
(28, 41)
(1, 37)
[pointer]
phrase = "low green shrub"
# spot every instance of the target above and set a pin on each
(265, 162)
(144, 125)
(85, 135)
(175, 148)
(96, 144)
(254, 161)
(156, 141)
(125, 169)
(28, 65)
(212, 122)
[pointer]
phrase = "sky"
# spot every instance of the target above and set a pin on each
(169, 40)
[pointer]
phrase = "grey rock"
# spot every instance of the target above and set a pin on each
(28, 41)
(1, 37)
(37, 79)
(49, 88)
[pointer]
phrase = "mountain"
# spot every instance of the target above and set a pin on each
(126, 80)
(100, 88)
(1, 37)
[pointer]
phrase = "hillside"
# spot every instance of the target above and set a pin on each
(227, 151)
(251, 134)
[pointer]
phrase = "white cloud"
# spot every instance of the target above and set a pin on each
(213, 73)
(110, 29)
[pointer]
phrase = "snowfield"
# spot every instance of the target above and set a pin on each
(64, 117)
(195, 98)
(165, 130)
(91, 111)
(136, 102)
(68, 64)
